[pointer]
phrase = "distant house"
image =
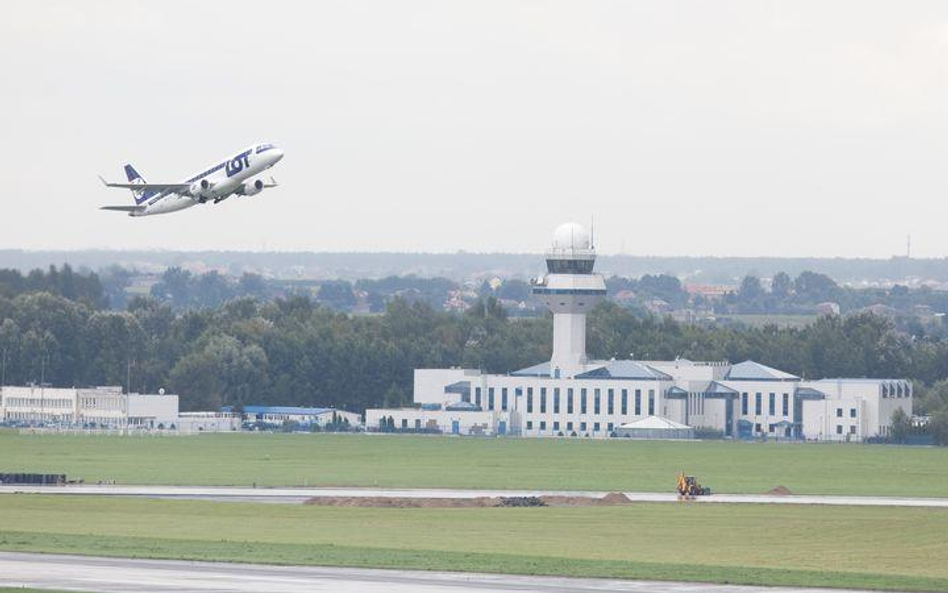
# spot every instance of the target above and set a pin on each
(658, 306)
(709, 291)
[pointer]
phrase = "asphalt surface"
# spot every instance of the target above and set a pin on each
(107, 575)
(298, 495)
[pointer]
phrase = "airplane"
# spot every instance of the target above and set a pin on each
(217, 183)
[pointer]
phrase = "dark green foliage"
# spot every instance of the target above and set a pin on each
(433, 291)
(901, 425)
(63, 282)
(661, 286)
(296, 351)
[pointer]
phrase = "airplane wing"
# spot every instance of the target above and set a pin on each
(273, 183)
(123, 208)
(175, 187)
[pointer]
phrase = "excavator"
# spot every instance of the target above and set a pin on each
(688, 487)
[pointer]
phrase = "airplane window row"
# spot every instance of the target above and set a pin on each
(206, 173)
(264, 147)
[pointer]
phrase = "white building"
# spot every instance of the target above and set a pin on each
(571, 395)
(100, 407)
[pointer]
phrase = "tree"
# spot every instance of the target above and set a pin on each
(663, 286)
(812, 287)
(750, 289)
(515, 290)
(252, 285)
(931, 399)
(938, 427)
(9, 340)
(780, 285)
(211, 290)
(337, 295)
(174, 286)
(115, 340)
(901, 425)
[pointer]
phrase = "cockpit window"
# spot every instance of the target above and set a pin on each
(264, 147)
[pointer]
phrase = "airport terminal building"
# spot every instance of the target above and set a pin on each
(571, 395)
(97, 407)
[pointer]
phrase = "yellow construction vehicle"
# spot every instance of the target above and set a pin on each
(688, 487)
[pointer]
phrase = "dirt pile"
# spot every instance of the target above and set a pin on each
(779, 491)
(520, 501)
(405, 502)
(611, 499)
(614, 498)
(401, 502)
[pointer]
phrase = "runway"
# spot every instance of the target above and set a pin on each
(298, 495)
(108, 575)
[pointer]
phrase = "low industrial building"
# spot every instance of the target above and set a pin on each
(191, 422)
(305, 417)
(572, 395)
(457, 417)
(98, 407)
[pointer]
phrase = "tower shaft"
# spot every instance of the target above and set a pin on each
(570, 290)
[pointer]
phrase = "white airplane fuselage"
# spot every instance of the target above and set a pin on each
(230, 176)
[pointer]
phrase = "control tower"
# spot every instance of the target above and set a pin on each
(570, 289)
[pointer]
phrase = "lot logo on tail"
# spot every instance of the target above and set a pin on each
(134, 177)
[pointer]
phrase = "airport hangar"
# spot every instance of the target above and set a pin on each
(571, 395)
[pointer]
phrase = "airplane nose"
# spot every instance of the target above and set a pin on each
(277, 154)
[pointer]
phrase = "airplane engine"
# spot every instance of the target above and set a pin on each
(198, 188)
(250, 188)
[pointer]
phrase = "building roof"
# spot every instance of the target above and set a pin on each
(859, 380)
(754, 371)
(717, 389)
(461, 387)
(656, 423)
(808, 393)
(462, 407)
(288, 410)
(624, 369)
(537, 370)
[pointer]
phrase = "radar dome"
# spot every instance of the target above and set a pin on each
(571, 236)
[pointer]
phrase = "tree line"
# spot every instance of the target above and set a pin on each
(294, 351)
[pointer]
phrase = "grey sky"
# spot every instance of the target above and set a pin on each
(722, 128)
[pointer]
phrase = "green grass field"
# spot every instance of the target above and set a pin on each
(890, 548)
(554, 464)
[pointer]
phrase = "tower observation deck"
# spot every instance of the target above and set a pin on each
(570, 289)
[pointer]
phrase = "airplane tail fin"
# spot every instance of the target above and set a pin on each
(134, 177)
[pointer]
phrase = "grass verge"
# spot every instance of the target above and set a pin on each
(850, 547)
(442, 560)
